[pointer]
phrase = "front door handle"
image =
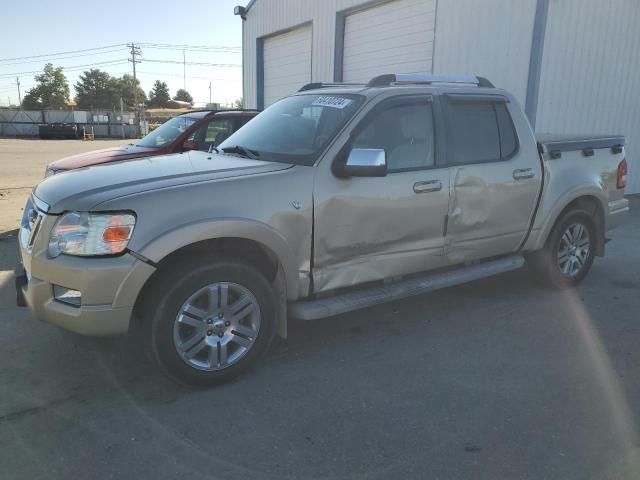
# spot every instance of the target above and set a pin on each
(426, 187)
(523, 174)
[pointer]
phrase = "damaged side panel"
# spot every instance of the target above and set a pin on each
(490, 211)
(370, 229)
(486, 216)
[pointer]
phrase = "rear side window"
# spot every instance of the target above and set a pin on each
(479, 132)
(508, 137)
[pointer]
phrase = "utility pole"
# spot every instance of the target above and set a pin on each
(122, 114)
(20, 97)
(184, 70)
(209, 92)
(135, 51)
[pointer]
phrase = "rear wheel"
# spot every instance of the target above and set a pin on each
(569, 253)
(212, 319)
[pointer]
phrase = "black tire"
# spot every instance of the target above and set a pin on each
(544, 264)
(169, 292)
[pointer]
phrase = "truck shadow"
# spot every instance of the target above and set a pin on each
(124, 365)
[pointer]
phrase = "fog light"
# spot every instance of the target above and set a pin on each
(67, 295)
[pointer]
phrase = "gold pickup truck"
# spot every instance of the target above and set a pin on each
(334, 199)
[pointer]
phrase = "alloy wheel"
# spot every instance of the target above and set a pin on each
(574, 249)
(216, 326)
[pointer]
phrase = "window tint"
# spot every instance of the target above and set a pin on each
(405, 133)
(218, 131)
(473, 134)
(480, 132)
(508, 137)
(213, 133)
(167, 133)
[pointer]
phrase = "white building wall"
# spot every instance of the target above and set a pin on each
(268, 17)
(591, 73)
(490, 38)
(468, 35)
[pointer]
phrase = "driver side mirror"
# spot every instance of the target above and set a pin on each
(189, 145)
(364, 162)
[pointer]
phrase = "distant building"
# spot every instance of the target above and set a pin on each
(573, 63)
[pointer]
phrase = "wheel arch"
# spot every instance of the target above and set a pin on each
(591, 201)
(258, 244)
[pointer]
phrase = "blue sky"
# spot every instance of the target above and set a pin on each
(41, 27)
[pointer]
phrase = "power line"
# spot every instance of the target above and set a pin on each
(63, 53)
(97, 50)
(169, 46)
(64, 58)
(206, 64)
(69, 69)
(192, 77)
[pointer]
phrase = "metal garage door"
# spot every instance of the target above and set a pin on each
(395, 37)
(287, 63)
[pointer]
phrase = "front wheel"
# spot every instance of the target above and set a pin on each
(569, 252)
(211, 321)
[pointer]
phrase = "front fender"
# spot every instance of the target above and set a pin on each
(188, 234)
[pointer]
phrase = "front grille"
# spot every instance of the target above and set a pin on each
(31, 221)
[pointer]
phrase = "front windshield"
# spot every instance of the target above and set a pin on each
(167, 132)
(295, 129)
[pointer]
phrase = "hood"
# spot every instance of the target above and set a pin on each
(84, 188)
(96, 157)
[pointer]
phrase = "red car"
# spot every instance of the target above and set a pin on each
(196, 130)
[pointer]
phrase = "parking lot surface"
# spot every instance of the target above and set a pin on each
(499, 379)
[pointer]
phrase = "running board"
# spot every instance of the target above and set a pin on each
(347, 302)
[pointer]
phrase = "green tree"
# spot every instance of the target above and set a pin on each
(97, 89)
(238, 104)
(159, 95)
(183, 96)
(51, 90)
(126, 87)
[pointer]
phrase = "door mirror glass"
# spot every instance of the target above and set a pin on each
(189, 144)
(365, 162)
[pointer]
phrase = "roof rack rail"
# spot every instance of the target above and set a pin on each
(411, 78)
(316, 85)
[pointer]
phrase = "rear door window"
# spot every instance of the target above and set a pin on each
(479, 131)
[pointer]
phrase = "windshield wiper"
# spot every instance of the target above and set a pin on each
(244, 151)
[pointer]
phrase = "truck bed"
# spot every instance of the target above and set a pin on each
(548, 142)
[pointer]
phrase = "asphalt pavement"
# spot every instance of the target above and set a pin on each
(499, 379)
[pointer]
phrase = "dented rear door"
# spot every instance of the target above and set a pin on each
(495, 176)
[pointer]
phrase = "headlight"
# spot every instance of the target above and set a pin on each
(90, 234)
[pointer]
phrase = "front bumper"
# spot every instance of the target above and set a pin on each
(109, 286)
(92, 320)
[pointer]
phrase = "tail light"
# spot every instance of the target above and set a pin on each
(621, 181)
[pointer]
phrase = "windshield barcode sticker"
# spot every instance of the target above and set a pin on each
(333, 102)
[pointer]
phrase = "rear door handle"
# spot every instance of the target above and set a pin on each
(523, 174)
(426, 187)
